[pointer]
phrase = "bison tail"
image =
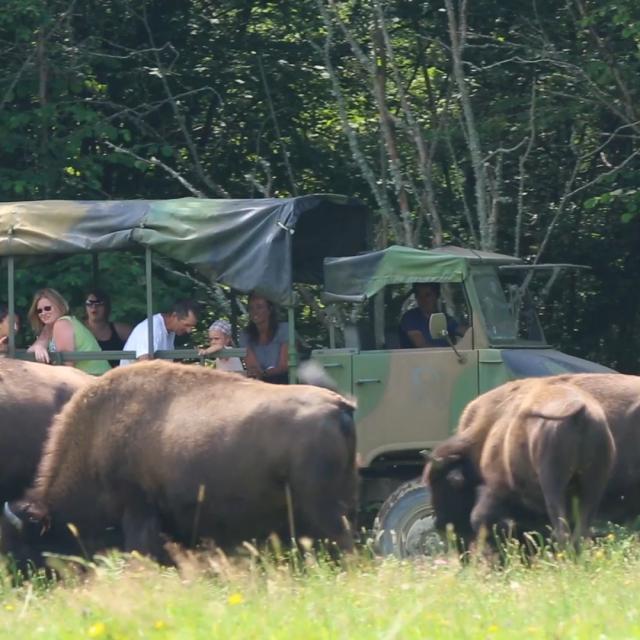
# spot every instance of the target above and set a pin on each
(348, 430)
(313, 373)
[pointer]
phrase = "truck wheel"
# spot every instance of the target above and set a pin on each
(405, 525)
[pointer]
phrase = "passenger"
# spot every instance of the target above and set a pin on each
(4, 327)
(58, 331)
(266, 341)
(178, 321)
(220, 338)
(414, 325)
(111, 336)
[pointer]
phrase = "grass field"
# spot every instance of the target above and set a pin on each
(594, 596)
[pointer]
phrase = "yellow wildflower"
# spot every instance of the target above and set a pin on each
(9, 607)
(492, 628)
(159, 625)
(97, 630)
(235, 598)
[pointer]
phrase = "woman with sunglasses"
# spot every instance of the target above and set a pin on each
(111, 336)
(58, 331)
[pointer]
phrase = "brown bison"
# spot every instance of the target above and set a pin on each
(161, 448)
(30, 395)
(486, 474)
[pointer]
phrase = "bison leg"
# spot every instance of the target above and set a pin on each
(490, 513)
(555, 492)
(573, 473)
(571, 498)
(322, 519)
(322, 509)
(141, 528)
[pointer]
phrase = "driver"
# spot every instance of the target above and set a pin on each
(414, 325)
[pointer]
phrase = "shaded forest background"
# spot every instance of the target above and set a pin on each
(510, 126)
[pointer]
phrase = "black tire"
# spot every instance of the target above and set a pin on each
(405, 526)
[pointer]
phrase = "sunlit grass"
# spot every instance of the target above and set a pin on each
(256, 596)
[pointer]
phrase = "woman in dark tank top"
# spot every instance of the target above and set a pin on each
(113, 343)
(111, 336)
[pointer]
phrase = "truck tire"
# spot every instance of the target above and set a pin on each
(405, 525)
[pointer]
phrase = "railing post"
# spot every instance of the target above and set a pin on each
(12, 305)
(293, 352)
(148, 274)
(95, 270)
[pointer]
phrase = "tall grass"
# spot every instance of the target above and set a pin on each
(596, 595)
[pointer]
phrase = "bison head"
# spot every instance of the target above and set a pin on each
(454, 481)
(28, 533)
(23, 526)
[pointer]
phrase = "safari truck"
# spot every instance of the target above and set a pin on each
(408, 399)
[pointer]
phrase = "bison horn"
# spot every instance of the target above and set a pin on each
(12, 517)
(438, 463)
(456, 478)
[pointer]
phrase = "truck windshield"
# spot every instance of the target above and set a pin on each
(507, 307)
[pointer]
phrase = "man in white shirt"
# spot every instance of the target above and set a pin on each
(178, 321)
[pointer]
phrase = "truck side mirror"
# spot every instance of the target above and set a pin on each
(438, 326)
(438, 330)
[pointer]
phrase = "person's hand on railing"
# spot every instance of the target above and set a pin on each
(40, 352)
(254, 371)
(210, 350)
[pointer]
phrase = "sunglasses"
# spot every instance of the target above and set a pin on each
(93, 303)
(44, 309)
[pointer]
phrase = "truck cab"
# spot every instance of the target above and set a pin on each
(410, 399)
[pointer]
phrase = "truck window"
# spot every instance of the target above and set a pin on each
(508, 311)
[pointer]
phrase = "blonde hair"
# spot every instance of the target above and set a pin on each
(55, 297)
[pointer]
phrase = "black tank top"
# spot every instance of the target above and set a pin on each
(113, 343)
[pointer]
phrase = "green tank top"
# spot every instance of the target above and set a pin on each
(85, 341)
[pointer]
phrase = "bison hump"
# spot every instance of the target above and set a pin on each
(559, 402)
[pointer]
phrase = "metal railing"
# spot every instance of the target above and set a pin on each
(62, 357)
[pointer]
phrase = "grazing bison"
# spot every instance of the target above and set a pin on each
(30, 395)
(162, 448)
(464, 468)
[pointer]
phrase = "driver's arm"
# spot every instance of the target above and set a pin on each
(417, 339)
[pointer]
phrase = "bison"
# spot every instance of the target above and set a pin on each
(30, 395)
(470, 470)
(188, 452)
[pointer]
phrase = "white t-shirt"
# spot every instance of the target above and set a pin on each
(229, 364)
(138, 341)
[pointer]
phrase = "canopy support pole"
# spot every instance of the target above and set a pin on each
(11, 305)
(95, 270)
(148, 276)
(293, 354)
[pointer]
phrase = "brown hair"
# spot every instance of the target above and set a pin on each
(252, 329)
(55, 297)
(101, 295)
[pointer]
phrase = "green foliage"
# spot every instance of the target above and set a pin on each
(113, 99)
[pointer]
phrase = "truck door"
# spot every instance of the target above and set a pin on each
(410, 399)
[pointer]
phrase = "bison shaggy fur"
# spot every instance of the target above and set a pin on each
(525, 450)
(160, 448)
(30, 395)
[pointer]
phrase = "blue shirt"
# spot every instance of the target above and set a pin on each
(267, 355)
(414, 320)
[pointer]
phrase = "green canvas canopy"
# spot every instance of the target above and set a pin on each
(360, 277)
(262, 244)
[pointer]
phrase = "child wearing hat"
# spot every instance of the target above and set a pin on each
(219, 339)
